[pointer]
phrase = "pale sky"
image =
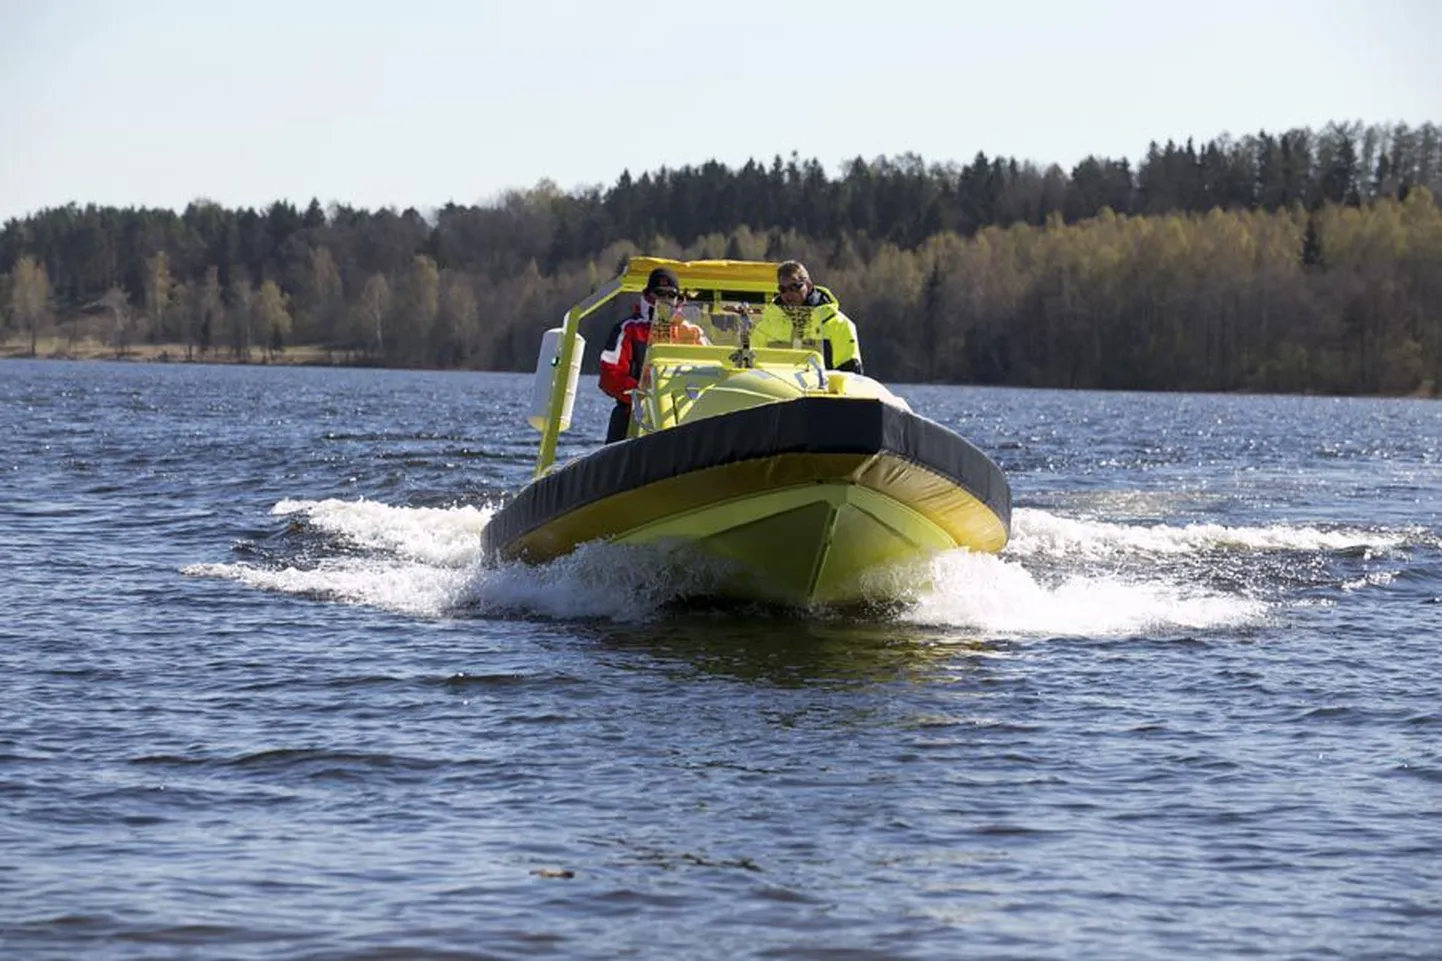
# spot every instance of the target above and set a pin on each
(416, 103)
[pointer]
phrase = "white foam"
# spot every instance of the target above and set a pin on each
(445, 537)
(1058, 576)
(607, 581)
(426, 561)
(1374, 579)
(407, 588)
(994, 596)
(418, 561)
(1039, 533)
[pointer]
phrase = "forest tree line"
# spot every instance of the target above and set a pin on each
(1296, 262)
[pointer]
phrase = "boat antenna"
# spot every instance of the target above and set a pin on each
(744, 356)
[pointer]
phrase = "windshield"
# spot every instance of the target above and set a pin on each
(725, 323)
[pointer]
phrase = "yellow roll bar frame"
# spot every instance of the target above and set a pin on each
(696, 276)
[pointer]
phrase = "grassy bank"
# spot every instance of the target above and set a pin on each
(88, 348)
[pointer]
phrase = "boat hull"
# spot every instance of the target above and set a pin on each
(803, 500)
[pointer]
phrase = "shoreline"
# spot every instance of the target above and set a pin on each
(57, 348)
(314, 355)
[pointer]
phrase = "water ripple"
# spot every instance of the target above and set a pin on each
(258, 699)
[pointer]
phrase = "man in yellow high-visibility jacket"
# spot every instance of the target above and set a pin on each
(803, 315)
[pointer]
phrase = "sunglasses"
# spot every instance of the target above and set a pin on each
(787, 288)
(666, 293)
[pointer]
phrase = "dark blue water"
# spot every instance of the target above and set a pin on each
(259, 700)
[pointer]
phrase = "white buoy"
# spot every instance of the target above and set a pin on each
(547, 363)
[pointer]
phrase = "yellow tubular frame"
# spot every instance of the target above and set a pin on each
(738, 276)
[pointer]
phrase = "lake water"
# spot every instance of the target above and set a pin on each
(259, 700)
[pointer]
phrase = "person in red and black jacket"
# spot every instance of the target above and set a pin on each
(625, 350)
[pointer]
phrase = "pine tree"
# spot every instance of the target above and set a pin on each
(1312, 247)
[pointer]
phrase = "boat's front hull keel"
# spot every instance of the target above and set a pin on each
(808, 544)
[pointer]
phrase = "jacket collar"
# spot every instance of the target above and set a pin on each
(819, 295)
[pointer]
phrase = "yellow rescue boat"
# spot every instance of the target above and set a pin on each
(805, 484)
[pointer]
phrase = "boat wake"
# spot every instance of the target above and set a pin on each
(409, 559)
(1038, 533)
(1059, 576)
